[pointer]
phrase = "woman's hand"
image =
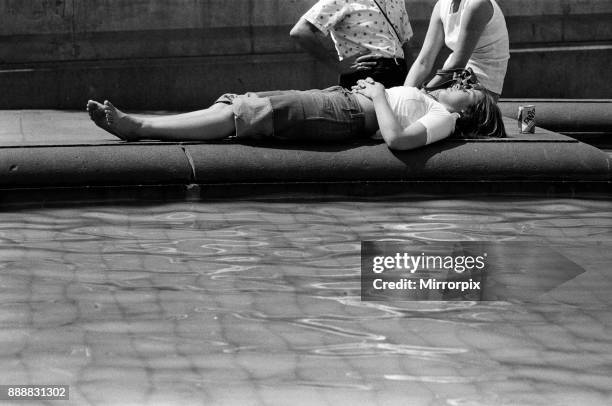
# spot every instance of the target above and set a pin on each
(369, 88)
(389, 126)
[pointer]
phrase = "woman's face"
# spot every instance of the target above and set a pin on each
(457, 99)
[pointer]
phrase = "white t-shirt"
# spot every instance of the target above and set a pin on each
(358, 27)
(410, 105)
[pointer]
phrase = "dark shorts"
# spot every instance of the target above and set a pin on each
(332, 114)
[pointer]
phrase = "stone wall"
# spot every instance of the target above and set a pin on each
(180, 54)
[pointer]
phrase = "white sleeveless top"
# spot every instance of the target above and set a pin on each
(490, 57)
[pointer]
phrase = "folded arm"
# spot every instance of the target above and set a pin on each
(313, 41)
(392, 132)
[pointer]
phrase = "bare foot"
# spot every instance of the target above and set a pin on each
(116, 122)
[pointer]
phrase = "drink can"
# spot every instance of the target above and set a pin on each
(526, 119)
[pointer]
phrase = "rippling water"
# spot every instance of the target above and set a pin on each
(257, 303)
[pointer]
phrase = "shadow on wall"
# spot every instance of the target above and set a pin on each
(174, 55)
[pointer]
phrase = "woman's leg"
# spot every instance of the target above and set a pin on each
(213, 123)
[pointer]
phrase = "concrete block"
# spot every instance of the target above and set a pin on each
(450, 160)
(569, 73)
(278, 12)
(171, 84)
(193, 83)
(594, 27)
(542, 156)
(547, 30)
(136, 15)
(554, 7)
(49, 127)
(35, 17)
(152, 43)
(91, 29)
(534, 29)
(566, 115)
(154, 54)
(114, 165)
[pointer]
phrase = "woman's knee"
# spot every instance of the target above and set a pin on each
(226, 111)
(225, 118)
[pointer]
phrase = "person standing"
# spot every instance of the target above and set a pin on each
(370, 36)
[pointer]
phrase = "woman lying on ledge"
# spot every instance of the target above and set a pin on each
(405, 117)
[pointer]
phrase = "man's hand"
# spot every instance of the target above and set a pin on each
(365, 62)
(369, 88)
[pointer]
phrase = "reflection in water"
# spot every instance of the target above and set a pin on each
(257, 303)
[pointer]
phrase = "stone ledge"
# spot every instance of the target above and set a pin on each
(543, 156)
(94, 166)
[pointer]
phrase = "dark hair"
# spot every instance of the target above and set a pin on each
(481, 120)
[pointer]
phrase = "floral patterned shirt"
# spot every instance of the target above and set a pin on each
(358, 27)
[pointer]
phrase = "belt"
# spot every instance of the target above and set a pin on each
(389, 61)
